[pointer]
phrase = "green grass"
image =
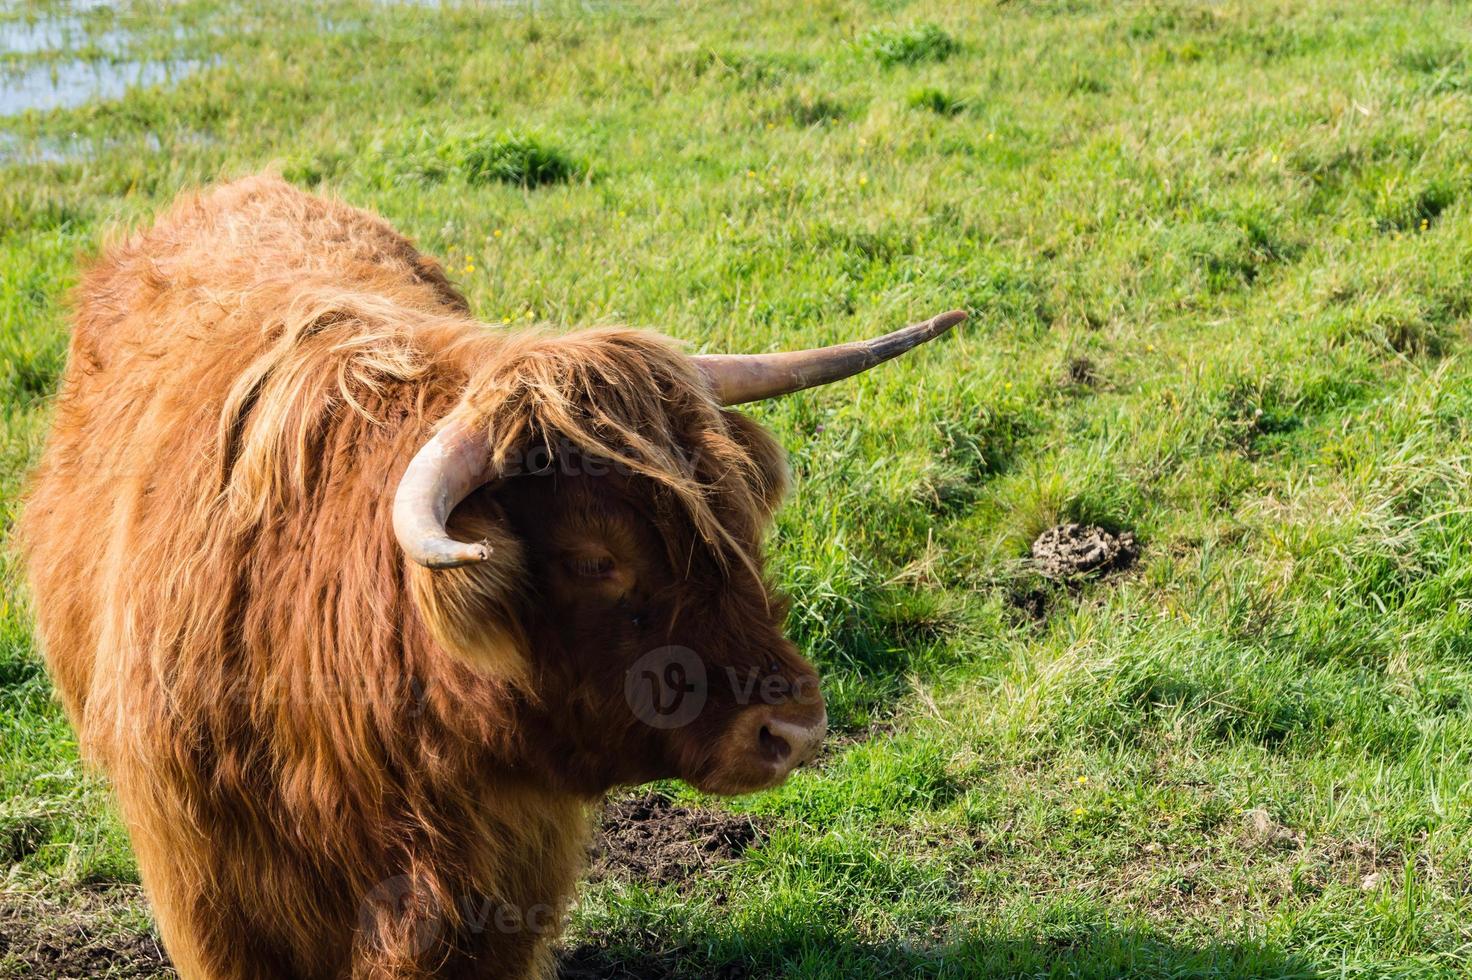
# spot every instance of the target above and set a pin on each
(1217, 257)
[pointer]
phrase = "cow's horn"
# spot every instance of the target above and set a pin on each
(444, 472)
(737, 378)
(453, 463)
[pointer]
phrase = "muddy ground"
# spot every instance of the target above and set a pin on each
(646, 839)
(92, 933)
(650, 840)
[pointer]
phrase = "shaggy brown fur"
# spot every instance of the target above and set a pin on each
(333, 763)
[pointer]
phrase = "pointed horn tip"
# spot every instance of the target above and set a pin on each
(926, 330)
(464, 554)
(942, 322)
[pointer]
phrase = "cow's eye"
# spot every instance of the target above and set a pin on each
(637, 620)
(594, 566)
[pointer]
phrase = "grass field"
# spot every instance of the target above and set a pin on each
(1217, 257)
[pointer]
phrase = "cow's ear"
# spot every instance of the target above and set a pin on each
(475, 611)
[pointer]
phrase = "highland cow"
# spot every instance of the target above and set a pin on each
(363, 606)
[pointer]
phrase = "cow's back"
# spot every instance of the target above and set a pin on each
(167, 324)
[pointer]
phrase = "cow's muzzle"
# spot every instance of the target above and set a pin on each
(763, 745)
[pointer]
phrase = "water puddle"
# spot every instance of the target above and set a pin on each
(77, 148)
(13, 148)
(67, 84)
(60, 61)
(63, 33)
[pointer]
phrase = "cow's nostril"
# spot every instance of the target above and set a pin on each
(775, 748)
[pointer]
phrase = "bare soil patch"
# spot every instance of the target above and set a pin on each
(1029, 605)
(90, 934)
(650, 840)
(647, 839)
(1079, 372)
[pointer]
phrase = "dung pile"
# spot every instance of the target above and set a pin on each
(1073, 551)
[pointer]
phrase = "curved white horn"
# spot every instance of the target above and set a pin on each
(738, 378)
(448, 468)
